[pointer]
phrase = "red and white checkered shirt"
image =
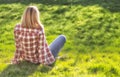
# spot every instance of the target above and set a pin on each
(31, 45)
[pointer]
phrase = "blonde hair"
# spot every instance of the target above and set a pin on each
(30, 18)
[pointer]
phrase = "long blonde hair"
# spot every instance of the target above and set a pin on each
(30, 18)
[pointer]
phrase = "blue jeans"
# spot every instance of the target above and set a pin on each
(57, 45)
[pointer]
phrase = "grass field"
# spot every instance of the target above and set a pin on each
(92, 28)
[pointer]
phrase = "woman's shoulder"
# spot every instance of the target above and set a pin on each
(17, 26)
(39, 29)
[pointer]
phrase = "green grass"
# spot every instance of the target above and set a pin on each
(93, 37)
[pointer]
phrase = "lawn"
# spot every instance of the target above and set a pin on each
(92, 28)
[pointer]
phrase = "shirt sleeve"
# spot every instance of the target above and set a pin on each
(45, 55)
(17, 54)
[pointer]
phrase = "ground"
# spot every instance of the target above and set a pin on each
(91, 28)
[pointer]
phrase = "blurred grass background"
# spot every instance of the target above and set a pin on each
(92, 28)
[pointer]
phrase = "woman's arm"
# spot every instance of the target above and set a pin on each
(45, 55)
(17, 55)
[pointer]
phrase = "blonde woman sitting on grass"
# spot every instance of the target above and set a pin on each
(31, 42)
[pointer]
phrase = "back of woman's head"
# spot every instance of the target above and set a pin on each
(30, 18)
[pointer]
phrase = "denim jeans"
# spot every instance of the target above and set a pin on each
(57, 45)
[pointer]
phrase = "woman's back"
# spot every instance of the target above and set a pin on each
(27, 41)
(31, 45)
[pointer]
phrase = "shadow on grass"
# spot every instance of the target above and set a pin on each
(112, 5)
(24, 69)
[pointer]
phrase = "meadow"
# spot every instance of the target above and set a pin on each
(92, 29)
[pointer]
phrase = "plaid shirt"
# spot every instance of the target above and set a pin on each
(31, 45)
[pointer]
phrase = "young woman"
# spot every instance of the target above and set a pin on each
(31, 42)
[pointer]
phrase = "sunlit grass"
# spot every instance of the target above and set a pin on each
(92, 30)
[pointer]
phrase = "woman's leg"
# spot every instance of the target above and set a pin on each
(57, 45)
